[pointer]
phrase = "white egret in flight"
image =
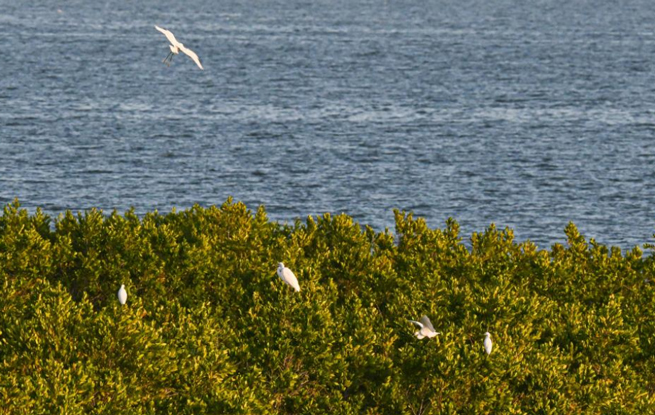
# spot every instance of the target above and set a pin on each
(122, 295)
(487, 343)
(287, 276)
(176, 47)
(426, 329)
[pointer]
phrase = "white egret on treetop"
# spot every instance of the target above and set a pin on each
(122, 295)
(487, 343)
(426, 329)
(287, 276)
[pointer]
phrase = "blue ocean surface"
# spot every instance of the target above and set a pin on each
(527, 114)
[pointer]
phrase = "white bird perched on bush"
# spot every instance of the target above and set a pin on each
(426, 329)
(122, 295)
(176, 47)
(287, 276)
(487, 343)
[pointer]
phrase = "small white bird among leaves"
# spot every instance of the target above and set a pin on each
(176, 47)
(426, 329)
(287, 276)
(122, 295)
(487, 343)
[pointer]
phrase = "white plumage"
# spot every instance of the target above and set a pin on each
(487, 343)
(426, 329)
(287, 276)
(176, 47)
(122, 295)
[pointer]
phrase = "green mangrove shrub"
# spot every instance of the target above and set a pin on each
(209, 328)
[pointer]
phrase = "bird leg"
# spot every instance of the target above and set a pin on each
(170, 55)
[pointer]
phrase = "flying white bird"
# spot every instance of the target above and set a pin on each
(487, 343)
(176, 47)
(122, 295)
(287, 276)
(426, 329)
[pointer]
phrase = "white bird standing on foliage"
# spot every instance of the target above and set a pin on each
(122, 295)
(287, 276)
(426, 329)
(487, 343)
(176, 47)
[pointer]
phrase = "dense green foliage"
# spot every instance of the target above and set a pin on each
(209, 328)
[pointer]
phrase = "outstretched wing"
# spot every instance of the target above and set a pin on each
(426, 322)
(169, 36)
(192, 55)
(419, 325)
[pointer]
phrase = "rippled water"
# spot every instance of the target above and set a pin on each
(528, 114)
